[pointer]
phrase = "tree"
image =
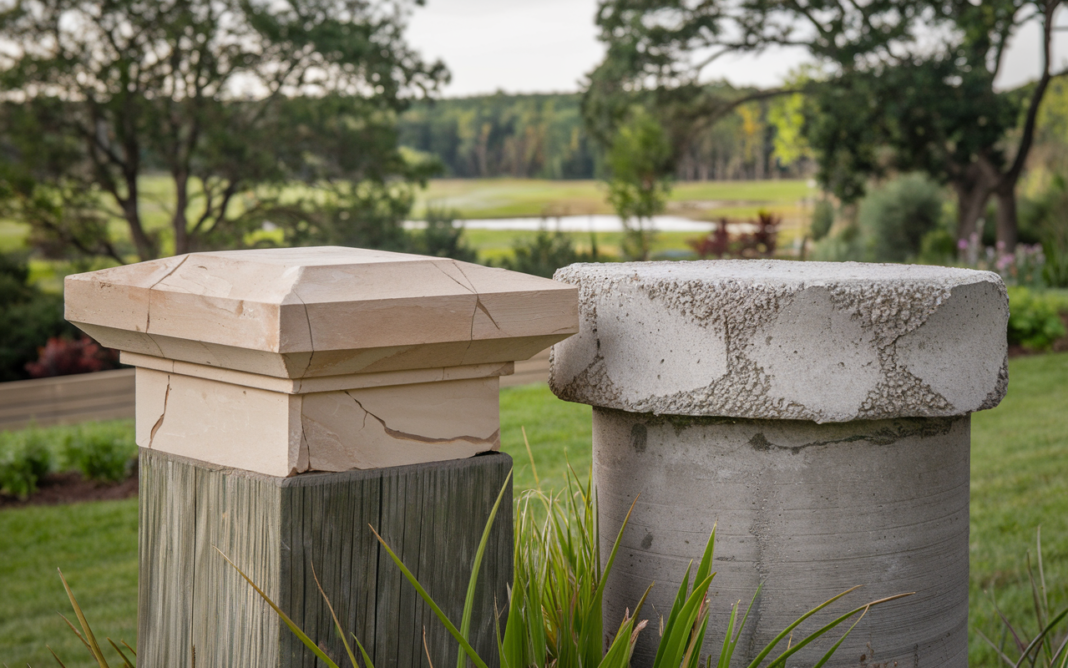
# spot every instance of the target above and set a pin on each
(232, 99)
(941, 114)
(639, 162)
(880, 74)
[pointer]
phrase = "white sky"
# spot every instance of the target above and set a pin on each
(528, 46)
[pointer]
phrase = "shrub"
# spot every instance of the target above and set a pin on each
(822, 220)
(28, 318)
(895, 218)
(65, 357)
(1034, 318)
(546, 252)
(441, 237)
(24, 459)
(103, 451)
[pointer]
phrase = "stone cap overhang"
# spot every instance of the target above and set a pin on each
(326, 311)
(772, 339)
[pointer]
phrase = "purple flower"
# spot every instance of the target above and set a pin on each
(962, 244)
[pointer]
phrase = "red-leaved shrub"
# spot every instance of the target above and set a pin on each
(64, 357)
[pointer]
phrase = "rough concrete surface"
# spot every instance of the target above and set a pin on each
(808, 510)
(828, 342)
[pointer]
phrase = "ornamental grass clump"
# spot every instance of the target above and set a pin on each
(1048, 648)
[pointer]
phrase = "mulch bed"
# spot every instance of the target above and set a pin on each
(57, 488)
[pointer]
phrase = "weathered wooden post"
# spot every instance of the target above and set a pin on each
(289, 398)
(818, 411)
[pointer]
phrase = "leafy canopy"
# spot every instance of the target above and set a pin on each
(231, 99)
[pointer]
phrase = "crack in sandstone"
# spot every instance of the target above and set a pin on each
(307, 318)
(159, 422)
(148, 311)
(491, 440)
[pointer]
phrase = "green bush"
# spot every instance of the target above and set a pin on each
(822, 220)
(895, 218)
(1034, 318)
(441, 237)
(28, 318)
(103, 451)
(938, 247)
(24, 459)
(543, 254)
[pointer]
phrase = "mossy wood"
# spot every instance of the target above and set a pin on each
(276, 529)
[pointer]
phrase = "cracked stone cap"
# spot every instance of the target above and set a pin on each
(310, 312)
(295, 360)
(821, 341)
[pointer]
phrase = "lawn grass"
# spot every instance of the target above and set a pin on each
(515, 198)
(1019, 481)
(502, 198)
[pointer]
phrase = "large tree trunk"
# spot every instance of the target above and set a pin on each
(1006, 218)
(972, 196)
(146, 248)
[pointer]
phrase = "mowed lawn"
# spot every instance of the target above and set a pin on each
(1019, 481)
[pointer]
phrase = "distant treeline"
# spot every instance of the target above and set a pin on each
(543, 136)
(525, 136)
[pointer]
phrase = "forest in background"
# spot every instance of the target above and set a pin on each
(543, 136)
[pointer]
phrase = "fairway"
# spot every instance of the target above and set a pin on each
(1019, 453)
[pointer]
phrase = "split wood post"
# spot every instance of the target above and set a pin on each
(819, 412)
(286, 400)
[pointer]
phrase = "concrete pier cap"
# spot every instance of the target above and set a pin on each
(285, 361)
(819, 412)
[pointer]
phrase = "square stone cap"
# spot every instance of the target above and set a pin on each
(822, 341)
(305, 312)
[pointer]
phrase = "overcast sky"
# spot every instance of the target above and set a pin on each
(527, 46)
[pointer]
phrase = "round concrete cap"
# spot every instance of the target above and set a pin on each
(821, 341)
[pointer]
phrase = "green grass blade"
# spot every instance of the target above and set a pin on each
(337, 624)
(705, 567)
(54, 656)
(785, 632)
(469, 601)
(125, 662)
(366, 659)
(127, 646)
(745, 618)
(1041, 636)
(90, 639)
(781, 659)
(680, 600)
(834, 648)
(677, 636)
(455, 632)
(285, 618)
(724, 654)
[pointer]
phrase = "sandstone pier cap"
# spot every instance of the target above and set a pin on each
(821, 341)
(286, 361)
(308, 312)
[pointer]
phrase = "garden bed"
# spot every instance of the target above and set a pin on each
(71, 487)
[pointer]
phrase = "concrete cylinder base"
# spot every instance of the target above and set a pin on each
(809, 510)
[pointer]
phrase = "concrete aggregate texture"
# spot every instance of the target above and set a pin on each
(828, 342)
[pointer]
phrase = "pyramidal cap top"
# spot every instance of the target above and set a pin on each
(306, 312)
(821, 341)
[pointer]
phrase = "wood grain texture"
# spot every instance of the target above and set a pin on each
(278, 529)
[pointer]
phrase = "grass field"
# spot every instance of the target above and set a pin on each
(515, 198)
(510, 198)
(1019, 481)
